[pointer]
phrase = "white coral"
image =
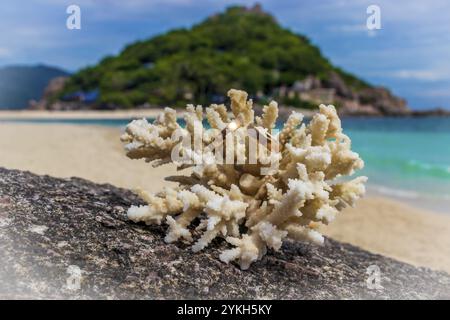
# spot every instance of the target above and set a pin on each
(239, 201)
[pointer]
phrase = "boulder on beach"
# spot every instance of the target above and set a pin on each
(71, 239)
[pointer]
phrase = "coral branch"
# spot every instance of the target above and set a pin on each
(285, 193)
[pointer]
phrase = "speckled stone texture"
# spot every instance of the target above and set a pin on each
(48, 224)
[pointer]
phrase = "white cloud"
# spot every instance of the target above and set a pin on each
(348, 28)
(424, 75)
(5, 52)
(435, 93)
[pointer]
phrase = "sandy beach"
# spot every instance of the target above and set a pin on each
(78, 114)
(378, 224)
(25, 114)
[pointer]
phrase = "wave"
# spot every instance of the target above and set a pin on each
(406, 194)
(436, 202)
(430, 169)
(396, 193)
(408, 167)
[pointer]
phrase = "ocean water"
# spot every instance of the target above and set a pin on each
(405, 158)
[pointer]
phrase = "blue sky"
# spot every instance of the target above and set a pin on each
(410, 54)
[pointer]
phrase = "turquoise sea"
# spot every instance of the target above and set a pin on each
(406, 158)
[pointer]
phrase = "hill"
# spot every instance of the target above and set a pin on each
(242, 48)
(19, 84)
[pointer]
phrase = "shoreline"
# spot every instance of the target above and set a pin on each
(438, 206)
(378, 224)
(26, 114)
(79, 114)
(32, 117)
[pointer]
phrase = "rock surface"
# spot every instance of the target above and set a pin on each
(71, 239)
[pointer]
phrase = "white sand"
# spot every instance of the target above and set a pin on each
(80, 114)
(377, 224)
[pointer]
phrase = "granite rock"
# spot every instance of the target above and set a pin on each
(70, 239)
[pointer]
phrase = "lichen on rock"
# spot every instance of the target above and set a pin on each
(248, 184)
